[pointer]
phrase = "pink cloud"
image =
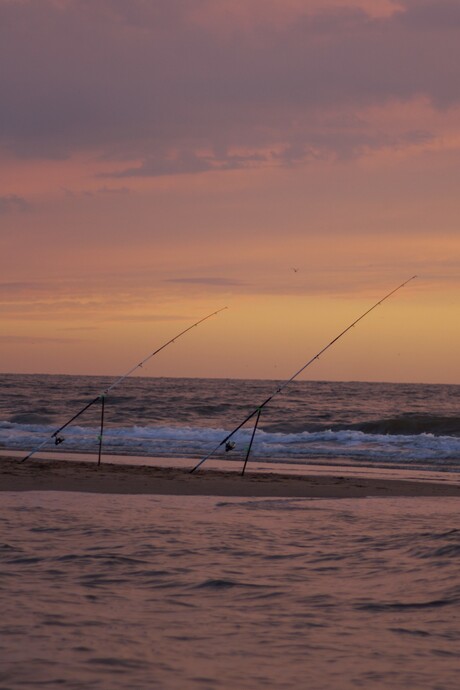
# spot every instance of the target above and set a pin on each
(153, 81)
(10, 203)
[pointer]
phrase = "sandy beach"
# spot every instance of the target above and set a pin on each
(60, 475)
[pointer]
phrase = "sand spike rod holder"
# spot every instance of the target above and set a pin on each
(259, 409)
(101, 398)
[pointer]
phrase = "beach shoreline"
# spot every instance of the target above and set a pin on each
(51, 474)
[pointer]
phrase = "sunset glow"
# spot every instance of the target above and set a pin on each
(161, 160)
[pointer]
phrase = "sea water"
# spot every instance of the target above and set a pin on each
(414, 426)
(204, 593)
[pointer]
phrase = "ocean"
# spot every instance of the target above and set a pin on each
(110, 592)
(410, 426)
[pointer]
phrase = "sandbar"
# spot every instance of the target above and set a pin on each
(52, 474)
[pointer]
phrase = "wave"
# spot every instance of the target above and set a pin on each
(187, 441)
(409, 424)
(30, 418)
(412, 424)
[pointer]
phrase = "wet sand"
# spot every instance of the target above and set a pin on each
(61, 475)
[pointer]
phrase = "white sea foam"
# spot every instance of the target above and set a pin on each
(366, 423)
(195, 441)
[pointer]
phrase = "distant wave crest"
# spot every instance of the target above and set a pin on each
(402, 425)
(412, 424)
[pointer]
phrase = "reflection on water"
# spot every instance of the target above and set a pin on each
(197, 592)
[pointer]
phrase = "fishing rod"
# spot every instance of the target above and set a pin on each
(229, 445)
(101, 397)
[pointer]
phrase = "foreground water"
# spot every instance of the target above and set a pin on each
(180, 593)
(376, 424)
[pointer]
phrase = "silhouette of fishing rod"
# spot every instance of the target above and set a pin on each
(101, 397)
(229, 445)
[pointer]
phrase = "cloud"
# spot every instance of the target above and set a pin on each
(100, 192)
(188, 162)
(20, 288)
(134, 297)
(36, 340)
(178, 87)
(443, 15)
(218, 282)
(134, 318)
(79, 328)
(12, 203)
(148, 318)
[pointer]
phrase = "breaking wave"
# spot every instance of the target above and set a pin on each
(366, 423)
(351, 444)
(406, 424)
(412, 424)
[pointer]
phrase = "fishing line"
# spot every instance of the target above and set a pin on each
(259, 409)
(101, 397)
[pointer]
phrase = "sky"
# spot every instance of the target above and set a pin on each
(162, 159)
